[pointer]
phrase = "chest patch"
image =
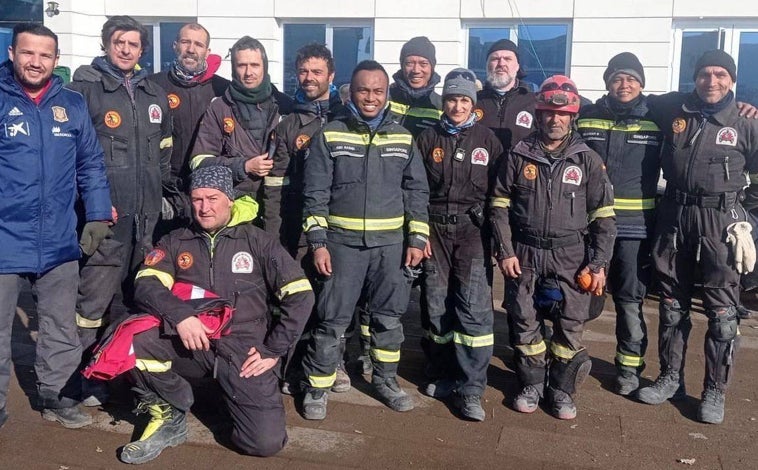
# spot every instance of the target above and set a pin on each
(530, 172)
(727, 136)
(572, 175)
(19, 128)
(228, 125)
(524, 119)
(479, 112)
(154, 257)
(678, 126)
(242, 262)
(173, 100)
(438, 154)
(112, 119)
(185, 260)
(302, 141)
(59, 114)
(480, 156)
(156, 113)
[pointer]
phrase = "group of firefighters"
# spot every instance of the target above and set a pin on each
(248, 230)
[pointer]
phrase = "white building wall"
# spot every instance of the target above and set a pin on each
(598, 29)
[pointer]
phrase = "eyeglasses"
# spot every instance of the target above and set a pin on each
(466, 75)
(563, 86)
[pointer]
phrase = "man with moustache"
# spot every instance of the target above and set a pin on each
(49, 157)
(191, 83)
(236, 129)
(130, 114)
(366, 224)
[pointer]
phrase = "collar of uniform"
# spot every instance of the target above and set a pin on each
(725, 117)
(636, 113)
(529, 148)
(489, 92)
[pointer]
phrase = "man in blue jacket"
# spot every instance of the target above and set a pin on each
(49, 154)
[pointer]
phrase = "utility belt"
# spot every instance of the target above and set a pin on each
(725, 200)
(474, 214)
(549, 243)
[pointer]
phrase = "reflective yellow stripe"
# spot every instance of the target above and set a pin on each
(276, 181)
(166, 142)
(365, 331)
(198, 159)
(418, 227)
(87, 323)
(440, 339)
(166, 279)
(301, 285)
(407, 110)
(474, 341)
(633, 204)
(384, 139)
(314, 221)
(630, 361)
(350, 223)
(322, 381)
(601, 212)
(359, 139)
(532, 349)
(607, 125)
(384, 355)
(559, 350)
(504, 202)
(151, 365)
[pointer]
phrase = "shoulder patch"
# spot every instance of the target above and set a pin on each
(154, 257)
(479, 112)
(228, 125)
(185, 260)
(530, 171)
(438, 154)
(112, 119)
(302, 141)
(173, 100)
(679, 125)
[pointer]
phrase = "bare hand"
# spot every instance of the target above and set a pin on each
(413, 256)
(428, 250)
(194, 334)
(255, 365)
(598, 280)
(510, 267)
(747, 110)
(260, 165)
(322, 260)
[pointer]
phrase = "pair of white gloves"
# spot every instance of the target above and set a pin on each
(738, 235)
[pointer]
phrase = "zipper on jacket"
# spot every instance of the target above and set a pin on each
(694, 141)
(42, 193)
(137, 156)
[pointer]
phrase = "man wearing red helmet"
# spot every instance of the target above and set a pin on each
(550, 193)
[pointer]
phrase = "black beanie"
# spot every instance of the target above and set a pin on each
(503, 45)
(716, 58)
(627, 63)
(420, 46)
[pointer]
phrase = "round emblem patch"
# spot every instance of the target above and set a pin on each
(185, 260)
(228, 125)
(438, 154)
(480, 156)
(112, 119)
(530, 172)
(242, 262)
(154, 257)
(479, 114)
(173, 100)
(679, 125)
(302, 141)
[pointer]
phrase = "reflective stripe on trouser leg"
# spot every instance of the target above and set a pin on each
(334, 311)
(631, 336)
(388, 291)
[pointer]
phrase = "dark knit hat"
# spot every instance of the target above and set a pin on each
(627, 63)
(716, 58)
(504, 45)
(420, 46)
(460, 81)
(214, 177)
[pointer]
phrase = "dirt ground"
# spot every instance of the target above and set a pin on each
(610, 432)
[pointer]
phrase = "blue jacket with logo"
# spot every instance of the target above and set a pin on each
(49, 153)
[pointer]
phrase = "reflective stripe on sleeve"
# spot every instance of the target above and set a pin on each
(502, 202)
(82, 322)
(151, 365)
(601, 212)
(314, 221)
(198, 159)
(350, 223)
(365, 331)
(166, 142)
(276, 181)
(301, 285)
(418, 227)
(166, 279)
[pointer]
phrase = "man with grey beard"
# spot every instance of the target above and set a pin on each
(505, 105)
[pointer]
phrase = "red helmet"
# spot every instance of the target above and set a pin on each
(558, 93)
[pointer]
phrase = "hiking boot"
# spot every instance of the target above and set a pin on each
(666, 387)
(70, 417)
(314, 404)
(342, 382)
(364, 360)
(626, 382)
(390, 393)
(3, 417)
(561, 404)
(528, 398)
(167, 428)
(94, 392)
(441, 388)
(712, 406)
(470, 407)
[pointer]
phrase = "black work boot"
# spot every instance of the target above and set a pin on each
(711, 408)
(390, 393)
(70, 417)
(668, 386)
(627, 380)
(167, 428)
